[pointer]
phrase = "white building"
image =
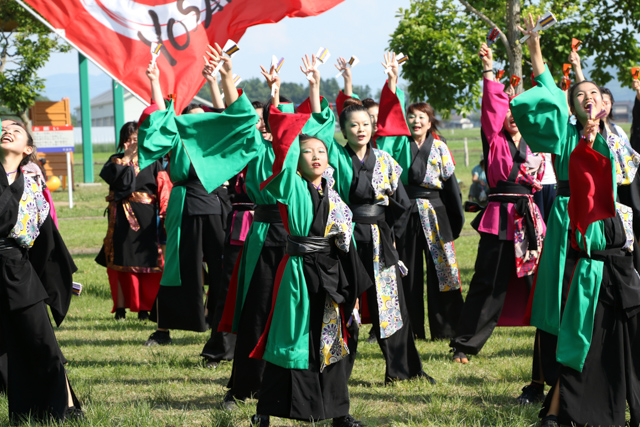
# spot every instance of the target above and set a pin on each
(102, 118)
(102, 109)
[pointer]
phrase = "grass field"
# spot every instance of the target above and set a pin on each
(122, 383)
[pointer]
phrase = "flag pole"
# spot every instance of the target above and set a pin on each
(60, 34)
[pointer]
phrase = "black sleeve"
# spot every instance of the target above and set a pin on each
(398, 212)
(55, 267)
(452, 200)
(121, 178)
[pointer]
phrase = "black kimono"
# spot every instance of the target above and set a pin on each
(36, 269)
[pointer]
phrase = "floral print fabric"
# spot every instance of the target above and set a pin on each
(333, 346)
(442, 253)
(339, 225)
(32, 212)
(440, 167)
(385, 180)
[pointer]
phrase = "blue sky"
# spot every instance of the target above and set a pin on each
(354, 27)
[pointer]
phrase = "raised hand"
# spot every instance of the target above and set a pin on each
(530, 24)
(270, 76)
(636, 87)
(510, 91)
(391, 63)
(343, 67)
(487, 57)
(310, 69)
(574, 58)
(533, 42)
(207, 71)
(216, 57)
(153, 73)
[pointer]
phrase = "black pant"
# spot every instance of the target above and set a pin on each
(246, 374)
(182, 307)
(495, 264)
(399, 350)
(444, 307)
(610, 375)
(37, 383)
(221, 344)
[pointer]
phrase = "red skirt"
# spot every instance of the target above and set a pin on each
(139, 289)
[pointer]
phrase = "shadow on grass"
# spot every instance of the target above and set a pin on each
(77, 342)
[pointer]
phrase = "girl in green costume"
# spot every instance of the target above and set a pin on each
(211, 148)
(318, 282)
(597, 330)
(368, 180)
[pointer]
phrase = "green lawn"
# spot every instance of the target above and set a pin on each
(122, 383)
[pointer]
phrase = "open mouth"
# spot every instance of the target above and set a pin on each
(315, 165)
(7, 138)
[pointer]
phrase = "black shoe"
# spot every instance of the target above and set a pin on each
(372, 337)
(426, 376)
(73, 413)
(346, 421)
(143, 315)
(260, 421)
(121, 313)
(532, 393)
(158, 338)
(230, 402)
(549, 421)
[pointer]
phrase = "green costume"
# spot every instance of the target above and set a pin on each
(542, 116)
(218, 145)
(258, 170)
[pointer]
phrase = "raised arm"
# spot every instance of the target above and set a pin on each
(309, 68)
(344, 68)
(273, 81)
(495, 102)
(212, 81)
(390, 63)
(574, 60)
(533, 42)
(541, 113)
(226, 73)
(153, 74)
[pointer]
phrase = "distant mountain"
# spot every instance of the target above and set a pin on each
(67, 85)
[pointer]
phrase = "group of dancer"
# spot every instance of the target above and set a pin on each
(300, 239)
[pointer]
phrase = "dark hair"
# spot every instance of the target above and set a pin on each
(354, 108)
(267, 106)
(190, 107)
(368, 103)
(572, 90)
(351, 101)
(428, 110)
(126, 131)
(303, 137)
(257, 104)
(605, 91)
(33, 157)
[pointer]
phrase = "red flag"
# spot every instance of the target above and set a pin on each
(117, 34)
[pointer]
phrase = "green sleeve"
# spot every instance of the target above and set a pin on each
(286, 107)
(220, 144)
(542, 115)
(157, 135)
